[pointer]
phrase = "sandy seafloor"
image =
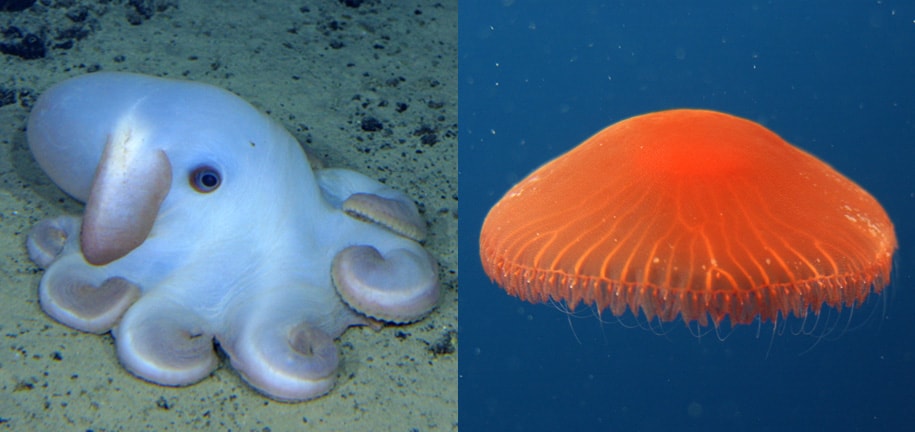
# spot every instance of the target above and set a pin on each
(318, 68)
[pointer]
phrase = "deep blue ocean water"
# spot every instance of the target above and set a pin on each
(834, 78)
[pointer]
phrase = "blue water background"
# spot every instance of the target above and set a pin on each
(538, 77)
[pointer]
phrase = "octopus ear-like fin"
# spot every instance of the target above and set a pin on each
(129, 186)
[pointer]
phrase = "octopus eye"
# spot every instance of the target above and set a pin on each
(205, 179)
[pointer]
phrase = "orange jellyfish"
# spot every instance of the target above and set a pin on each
(692, 213)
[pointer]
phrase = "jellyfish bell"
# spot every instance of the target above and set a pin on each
(689, 213)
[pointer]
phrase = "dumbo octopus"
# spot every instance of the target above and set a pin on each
(204, 221)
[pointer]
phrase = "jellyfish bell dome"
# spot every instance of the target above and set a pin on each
(689, 213)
